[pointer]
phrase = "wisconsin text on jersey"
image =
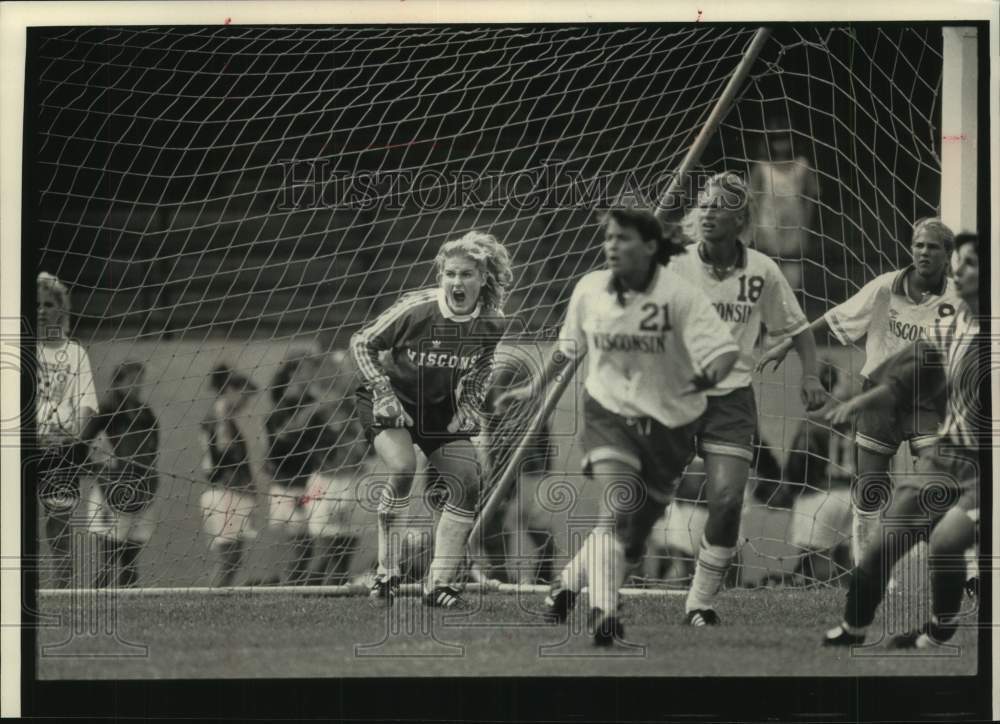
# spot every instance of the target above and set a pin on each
(652, 344)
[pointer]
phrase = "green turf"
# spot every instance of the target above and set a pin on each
(765, 633)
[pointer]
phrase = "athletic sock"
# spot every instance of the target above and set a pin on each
(865, 527)
(391, 528)
(574, 575)
(607, 570)
(449, 544)
(710, 569)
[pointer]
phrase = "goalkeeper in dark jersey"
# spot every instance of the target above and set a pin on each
(441, 342)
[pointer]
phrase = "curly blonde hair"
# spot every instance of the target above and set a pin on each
(492, 260)
(735, 187)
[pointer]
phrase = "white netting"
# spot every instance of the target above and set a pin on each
(242, 195)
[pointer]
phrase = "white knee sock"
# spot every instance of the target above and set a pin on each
(449, 544)
(574, 575)
(864, 530)
(713, 562)
(607, 570)
(391, 529)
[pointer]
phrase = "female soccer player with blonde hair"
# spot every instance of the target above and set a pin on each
(440, 343)
(748, 290)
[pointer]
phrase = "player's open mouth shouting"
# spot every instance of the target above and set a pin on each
(462, 284)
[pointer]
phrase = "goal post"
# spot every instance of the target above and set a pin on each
(959, 128)
(500, 489)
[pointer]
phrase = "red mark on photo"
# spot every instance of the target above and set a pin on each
(959, 137)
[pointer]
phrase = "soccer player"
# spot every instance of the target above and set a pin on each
(747, 290)
(119, 504)
(65, 401)
(654, 344)
(340, 463)
(294, 428)
(955, 357)
(441, 343)
(891, 311)
(228, 505)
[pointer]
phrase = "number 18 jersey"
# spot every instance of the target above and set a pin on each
(755, 292)
(644, 347)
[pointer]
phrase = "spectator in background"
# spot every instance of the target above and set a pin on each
(785, 187)
(65, 400)
(341, 462)
(118, 506)
(227, 506)
(295, 430)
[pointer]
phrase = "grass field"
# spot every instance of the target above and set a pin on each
(766, 632)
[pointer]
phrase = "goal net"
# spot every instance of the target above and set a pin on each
(250, 197)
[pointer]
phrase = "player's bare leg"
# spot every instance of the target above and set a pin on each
(58, 532)
(726, 479)
(868, 579)
(230, 560)
(458, 465)
(128, 559)
(951, 537)
(617, 543)
(395, 449)
(298, 569)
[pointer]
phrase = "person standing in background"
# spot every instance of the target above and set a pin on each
(65, 400)
(785, 188)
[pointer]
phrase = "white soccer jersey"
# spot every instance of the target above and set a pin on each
(65, 387)
(755, 292)
(643, 348)
(884, 312)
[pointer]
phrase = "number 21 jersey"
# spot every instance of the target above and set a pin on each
(644, 347)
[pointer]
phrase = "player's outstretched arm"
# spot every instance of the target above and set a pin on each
(813, 394)
(714, 372)
(779, 351)
(880, 396)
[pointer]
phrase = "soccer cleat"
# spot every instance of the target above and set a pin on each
(926, 637)
(837, 636)
(384, 588)
(972, 587)
(559, 603)
(606, 629)
(443, 597)
(907, 640)
(702, 617)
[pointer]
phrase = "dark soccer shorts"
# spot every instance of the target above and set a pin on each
(954, 480)
(59, 470)
(658, 453)
(884, 430)
(729, 425)
(430, 429)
